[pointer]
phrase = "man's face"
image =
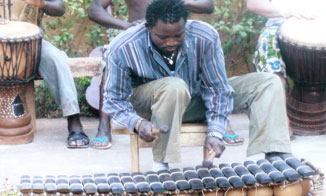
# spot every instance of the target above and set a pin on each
(167, 37)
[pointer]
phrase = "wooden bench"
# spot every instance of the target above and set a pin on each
(191, 134)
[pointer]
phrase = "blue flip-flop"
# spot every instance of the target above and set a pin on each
(231, 137)
(102, 141)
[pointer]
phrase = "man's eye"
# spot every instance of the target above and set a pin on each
(162, 37)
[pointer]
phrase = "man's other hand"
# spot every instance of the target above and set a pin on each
(145, 131)
(215, 144)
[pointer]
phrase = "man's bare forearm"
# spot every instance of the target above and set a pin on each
(200, 6)
(54, 7)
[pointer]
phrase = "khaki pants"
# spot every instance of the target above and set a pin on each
(167, 101)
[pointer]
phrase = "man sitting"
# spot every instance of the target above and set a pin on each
(171, 70)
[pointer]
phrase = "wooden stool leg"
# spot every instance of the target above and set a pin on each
(134, 149)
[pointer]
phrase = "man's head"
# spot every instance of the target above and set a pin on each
(165, 20)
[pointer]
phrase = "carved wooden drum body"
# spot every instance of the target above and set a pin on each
(303, 48)
(20, 47)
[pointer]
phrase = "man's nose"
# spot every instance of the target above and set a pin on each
(172, 42)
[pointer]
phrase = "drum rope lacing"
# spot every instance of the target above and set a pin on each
(243, 193)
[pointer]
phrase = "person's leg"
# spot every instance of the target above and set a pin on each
(268, 58)
(103, 138)
(54, 69)
(163, 101)
(286, 91)
(262, 95)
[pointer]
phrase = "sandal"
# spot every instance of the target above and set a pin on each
(77, 135)
(101, 143)
(232, 140)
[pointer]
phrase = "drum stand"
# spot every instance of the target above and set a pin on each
(15, 119)
(306, 107)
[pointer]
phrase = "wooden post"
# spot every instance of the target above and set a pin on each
(134, 150)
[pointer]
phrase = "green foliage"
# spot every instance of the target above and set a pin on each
(81, 86)
(121, 9)
(238, 28)
(236, 23)
(72, 26)
(47, 107)
(94, 33)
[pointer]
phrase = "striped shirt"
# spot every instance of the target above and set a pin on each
(131, 60)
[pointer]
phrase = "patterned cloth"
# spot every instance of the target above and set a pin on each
(268, 55)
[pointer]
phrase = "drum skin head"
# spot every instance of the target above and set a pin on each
(17, 29)
(309, 33)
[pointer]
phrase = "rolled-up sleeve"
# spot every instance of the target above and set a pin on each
(215, 89)
(117, 92)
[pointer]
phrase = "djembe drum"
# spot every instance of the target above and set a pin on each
(20, 46)
(303, 48)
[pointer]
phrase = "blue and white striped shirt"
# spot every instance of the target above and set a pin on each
(131, 60)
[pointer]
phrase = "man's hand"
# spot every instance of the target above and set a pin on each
(145, 131)
(214, 144)
(37, 3)
(133, 23)
(137, 22)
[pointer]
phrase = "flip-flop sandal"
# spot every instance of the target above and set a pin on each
(232, 138)
(77, 135)
(102, 141)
